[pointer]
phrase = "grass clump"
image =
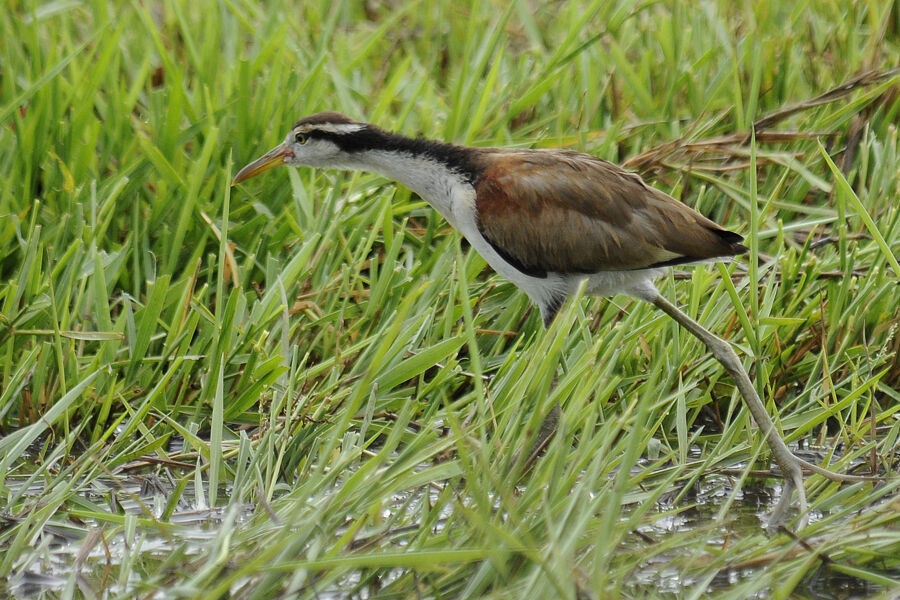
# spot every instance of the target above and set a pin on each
(310, 386)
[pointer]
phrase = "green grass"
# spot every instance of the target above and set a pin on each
(317, 359)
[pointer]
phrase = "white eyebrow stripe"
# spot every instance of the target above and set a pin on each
(332, 127)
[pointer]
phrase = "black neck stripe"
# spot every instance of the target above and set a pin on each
(458, 158)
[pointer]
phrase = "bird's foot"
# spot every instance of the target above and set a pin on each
(831, 475)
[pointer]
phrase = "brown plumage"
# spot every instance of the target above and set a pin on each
(328, 117)
(564, 211)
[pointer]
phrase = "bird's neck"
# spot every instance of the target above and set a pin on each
(425, 176)
(433, 170)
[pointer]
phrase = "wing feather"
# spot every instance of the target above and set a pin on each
(570, 212)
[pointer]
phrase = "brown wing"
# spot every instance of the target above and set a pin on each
(574, 213)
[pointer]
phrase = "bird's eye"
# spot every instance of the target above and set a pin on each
(301, 138)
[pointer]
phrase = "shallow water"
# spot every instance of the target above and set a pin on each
(85, 544)
(745, 517)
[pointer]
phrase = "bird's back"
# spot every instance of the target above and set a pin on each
(569, 212)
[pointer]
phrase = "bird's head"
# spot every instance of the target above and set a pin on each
(325, 139)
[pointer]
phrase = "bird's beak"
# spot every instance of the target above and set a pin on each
(271, 159)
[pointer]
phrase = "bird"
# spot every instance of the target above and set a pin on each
(549, 220)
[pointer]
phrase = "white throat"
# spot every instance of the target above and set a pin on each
(432, 180)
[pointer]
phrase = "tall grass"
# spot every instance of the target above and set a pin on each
(310, 387)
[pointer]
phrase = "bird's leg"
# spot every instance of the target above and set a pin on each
(549, 426)
(791, 466)
(757, 409)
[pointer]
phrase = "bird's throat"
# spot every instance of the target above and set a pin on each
(433, 180)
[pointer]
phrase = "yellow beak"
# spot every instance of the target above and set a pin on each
(271, 159)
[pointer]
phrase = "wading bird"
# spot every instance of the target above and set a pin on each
(547, 220)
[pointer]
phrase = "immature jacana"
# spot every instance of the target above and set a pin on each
(547, 220)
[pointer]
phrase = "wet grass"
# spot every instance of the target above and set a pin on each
(310, 387)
